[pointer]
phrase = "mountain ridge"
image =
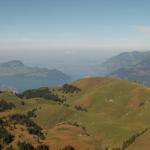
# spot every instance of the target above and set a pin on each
(123, 60)
(106, 113)
(17, 68)
(139, 72)
(16, 75)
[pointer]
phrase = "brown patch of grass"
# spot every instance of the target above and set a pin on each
(66, 134)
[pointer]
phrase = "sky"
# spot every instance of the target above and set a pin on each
(74, 24)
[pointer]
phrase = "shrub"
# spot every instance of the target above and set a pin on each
(79, 108)
(32, 127)
(70, 88)
(25, 146)
(68, 148)
(5, 105)
(42, 147)
(5, 136)
(31, 114)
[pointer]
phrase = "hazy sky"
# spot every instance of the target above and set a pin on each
(44, 24)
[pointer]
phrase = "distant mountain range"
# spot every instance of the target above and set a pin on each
(123, 60)
(17, 68)
(139, 72)
(131, 66)
(15, 75)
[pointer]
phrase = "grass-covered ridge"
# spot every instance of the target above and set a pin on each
(112, 113)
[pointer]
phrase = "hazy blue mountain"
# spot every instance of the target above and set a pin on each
(14, 74)
(17, 68)
(139, 72)
(123, 60)
(77, 63)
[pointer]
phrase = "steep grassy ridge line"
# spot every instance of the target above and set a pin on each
(90, 82)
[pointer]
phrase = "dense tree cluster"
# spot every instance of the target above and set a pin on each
(42, 147)
(42, 93)
(5, 105)
(32, 127)
(27, 146)
(67, 88)
(5, 135)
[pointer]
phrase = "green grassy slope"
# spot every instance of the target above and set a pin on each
(116, 108)
(115, 111)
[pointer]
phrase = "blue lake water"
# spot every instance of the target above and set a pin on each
(21, 83)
